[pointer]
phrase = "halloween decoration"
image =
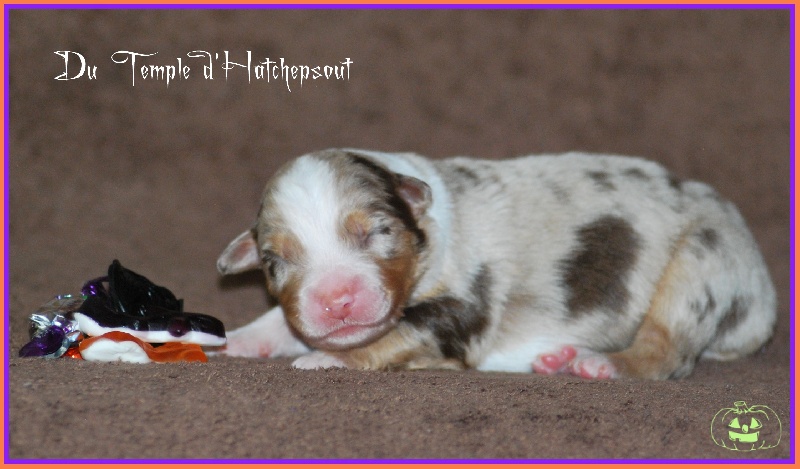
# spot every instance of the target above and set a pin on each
(121, 346)
(131, 305)
(52, 334)
(147, 311)
(743, 428)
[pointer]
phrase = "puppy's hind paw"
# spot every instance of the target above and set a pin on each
(576, 361)
(594, 366)
(552, 363)
(318, 360)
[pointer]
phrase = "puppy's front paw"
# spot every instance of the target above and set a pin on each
(267, 336)
(243, 346)
(318, 360)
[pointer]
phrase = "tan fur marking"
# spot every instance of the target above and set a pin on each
(357, 226)
(288, 297)
(402, 348)
(286, 246)
(652, 354)
(397, 273)
(655, 352)
(437, 290)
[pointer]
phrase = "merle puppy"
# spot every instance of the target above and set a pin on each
(601, 266)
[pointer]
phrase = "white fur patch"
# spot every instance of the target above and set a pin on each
(309, 203)
(318, 360)
(267, 336)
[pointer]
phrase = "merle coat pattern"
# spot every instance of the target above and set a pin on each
(601, 266)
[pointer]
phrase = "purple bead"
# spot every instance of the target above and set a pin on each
(94, 287)
(49, 343)
(178, 327)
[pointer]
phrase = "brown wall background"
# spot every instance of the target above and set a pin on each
(163, 177)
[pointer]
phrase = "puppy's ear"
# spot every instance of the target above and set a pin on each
(241, 255)
(416, 193)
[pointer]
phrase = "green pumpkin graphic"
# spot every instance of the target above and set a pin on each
(743, 428)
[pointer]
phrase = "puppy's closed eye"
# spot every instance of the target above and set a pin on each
(272, 262)
(279, 253)
(358, 228)
(373, 233)
(384, 230)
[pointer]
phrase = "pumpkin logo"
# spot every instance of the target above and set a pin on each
(743, 428)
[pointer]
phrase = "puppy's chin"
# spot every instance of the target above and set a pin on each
(348, 336)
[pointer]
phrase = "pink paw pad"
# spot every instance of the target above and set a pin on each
(552, 363)
(583, 363)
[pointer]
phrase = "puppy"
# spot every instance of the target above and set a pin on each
(600, 266)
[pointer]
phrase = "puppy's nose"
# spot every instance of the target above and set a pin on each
(339, 307)
(336, 304)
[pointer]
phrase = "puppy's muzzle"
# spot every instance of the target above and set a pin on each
(343, 310)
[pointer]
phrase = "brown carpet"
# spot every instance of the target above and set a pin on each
(163, 177)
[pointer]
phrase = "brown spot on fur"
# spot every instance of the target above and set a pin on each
(467, 173)
(709, 238)
(602, 180)
(734, 315)
(703, 309)
(559, 192)
(636, 173)
(596, 271)
(674, 182)
(462, 177)
(454, 321)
